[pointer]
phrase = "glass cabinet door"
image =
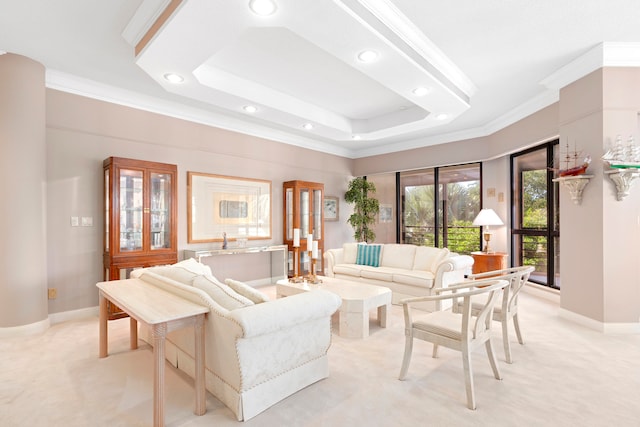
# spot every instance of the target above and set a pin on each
(288, 218)
(131, 201)
(160, 210)
(304, 213)
(317, 214)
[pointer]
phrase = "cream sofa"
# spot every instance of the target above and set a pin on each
(257, 351)
(408, 270)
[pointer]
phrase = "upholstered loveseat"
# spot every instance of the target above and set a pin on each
(408, 270)
(257, 351)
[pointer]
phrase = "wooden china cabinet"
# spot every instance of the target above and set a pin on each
(303, 210)
(140, 224)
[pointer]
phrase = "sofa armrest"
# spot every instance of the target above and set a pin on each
(277, 315)
(452, 270)
(332, 257)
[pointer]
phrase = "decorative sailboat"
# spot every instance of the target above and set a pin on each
(571, 165)
(621, 156)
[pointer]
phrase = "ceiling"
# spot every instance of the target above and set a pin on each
(484, 65)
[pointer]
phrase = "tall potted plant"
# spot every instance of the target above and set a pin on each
(365, 208)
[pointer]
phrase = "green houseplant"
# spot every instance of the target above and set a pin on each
(365, 208)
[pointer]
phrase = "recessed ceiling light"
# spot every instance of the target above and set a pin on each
(368, 55)
(263, 7)
(356, 137)
(307, 126)
(442, 116)
(173, 78)
(421, 91)
(250, 108)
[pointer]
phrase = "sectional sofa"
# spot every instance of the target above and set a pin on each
(257, 352)
(408, 270)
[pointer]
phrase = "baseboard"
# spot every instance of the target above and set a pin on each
(25, 330)
(596, 325)
(66, 316)
(543, 292)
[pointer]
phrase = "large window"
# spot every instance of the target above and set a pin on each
(438, 206)
(535, 214)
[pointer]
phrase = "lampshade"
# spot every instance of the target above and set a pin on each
(487, 217)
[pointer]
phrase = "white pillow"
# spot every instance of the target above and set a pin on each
(351, 252)
(221, 293)
(247, 291)
(194, 266)
(427, 257)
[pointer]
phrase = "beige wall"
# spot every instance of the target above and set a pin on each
(599, 257)
(600, 260)
(82, 132)
(23, 295)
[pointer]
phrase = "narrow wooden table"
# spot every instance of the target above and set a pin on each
(162, 312)
(357, 299)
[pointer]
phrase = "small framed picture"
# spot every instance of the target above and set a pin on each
(386, 213)
(331, 208)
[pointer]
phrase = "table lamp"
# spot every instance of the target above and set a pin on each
(486, 218)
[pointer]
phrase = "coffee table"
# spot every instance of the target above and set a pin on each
(357, 300)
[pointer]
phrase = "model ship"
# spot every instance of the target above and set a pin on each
(621, 156)
(572, 167)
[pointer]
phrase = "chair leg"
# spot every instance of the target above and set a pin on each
(505, 340)
(492, 360)
(516, 324)
(435, 351)
(468, 378)
(408, 348)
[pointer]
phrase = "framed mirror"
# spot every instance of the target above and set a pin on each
(217, 204)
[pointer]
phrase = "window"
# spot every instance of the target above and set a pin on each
(535, 213)
(438, 206)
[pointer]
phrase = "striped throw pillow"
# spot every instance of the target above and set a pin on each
(369, 255)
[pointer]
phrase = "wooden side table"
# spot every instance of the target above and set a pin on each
(163, 312)
(483, 262)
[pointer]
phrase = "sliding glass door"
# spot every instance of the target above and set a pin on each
(438, 206)
(535, 213)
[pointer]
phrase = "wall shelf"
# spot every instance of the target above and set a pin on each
(575, 185)
(623, 179)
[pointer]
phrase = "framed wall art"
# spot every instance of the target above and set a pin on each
(218, 204)
(331, 208)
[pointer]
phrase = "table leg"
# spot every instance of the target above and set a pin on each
(383, 311)
(133, 333)
(201, 403)
(159, 334)
(354, 324)
(104, 349)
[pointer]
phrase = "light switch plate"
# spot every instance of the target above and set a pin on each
(87, 221)
(75, 221)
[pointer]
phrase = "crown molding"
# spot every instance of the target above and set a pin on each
(91, 89)
(603, 55)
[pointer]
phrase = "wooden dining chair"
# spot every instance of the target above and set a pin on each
(508, 308)
(456, 330)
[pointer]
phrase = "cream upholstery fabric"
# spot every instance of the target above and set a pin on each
(427, 258)
(223, 294)
(408, 270)
(350, 252)
(398, 256)
(247, 291)
(256, 355)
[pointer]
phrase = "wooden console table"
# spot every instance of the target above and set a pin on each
(483, 262)
(163, 312)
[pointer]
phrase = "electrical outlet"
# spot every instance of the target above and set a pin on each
(53, 293)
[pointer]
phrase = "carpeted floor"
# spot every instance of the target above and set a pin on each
(565, 375)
